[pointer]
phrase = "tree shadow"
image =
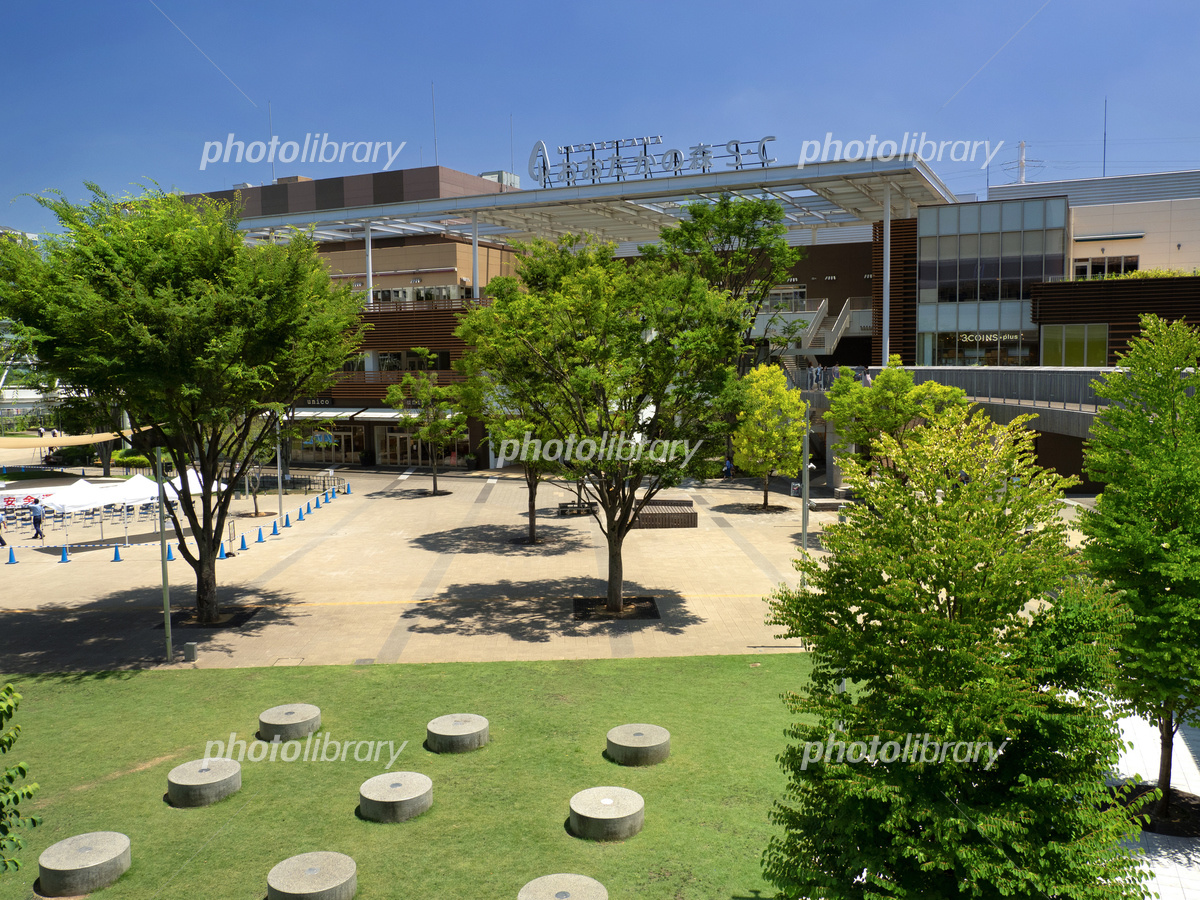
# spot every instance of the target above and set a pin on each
(116, 631)
(537, 611)
(751, 508)
(553, 540)
(407, 493)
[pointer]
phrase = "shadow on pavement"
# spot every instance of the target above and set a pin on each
(117, 630)
(536, 611)
(553, 540)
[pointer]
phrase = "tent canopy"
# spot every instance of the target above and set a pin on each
(77, 497)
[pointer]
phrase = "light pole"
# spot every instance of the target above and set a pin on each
(162, 549)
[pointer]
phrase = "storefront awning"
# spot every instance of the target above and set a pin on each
(357, 414)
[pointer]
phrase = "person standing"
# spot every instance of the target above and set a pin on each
(3, 525)
(38, 514)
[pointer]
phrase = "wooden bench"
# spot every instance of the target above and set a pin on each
(577, 509)
(666, 514)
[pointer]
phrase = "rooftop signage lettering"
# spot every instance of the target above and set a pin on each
(621, 160)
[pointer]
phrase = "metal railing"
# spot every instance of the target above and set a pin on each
(1060, 388)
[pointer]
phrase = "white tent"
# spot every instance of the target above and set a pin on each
(193, 483)
(79, 496)
(133, 492)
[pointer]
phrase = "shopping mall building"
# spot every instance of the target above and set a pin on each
(895, 263)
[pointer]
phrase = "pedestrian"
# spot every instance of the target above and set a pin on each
(866, 379)
(818, 376)
(41, 431)
(54, 432)
(37, 513)
(729, 468)
(3, 525)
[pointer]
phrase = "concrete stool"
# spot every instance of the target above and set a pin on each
(313, 876)
(203, 781)
(456, 734)
(84, 863)
(395, 796)
(289, 722)
(639, 745)
(563, 887)
(607, 813)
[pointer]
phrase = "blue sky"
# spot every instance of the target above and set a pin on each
(114, 93)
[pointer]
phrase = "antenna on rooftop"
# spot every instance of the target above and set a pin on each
(1104, 158)
(433, 100)
(271, 127)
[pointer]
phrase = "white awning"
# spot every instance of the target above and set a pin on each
(361, 414)
(326, 412)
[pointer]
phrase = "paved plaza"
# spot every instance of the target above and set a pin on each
(389, 574)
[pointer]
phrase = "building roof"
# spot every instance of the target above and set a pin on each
(840, 194)
(1111, 189)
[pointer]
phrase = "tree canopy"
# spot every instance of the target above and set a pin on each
(770, 431)
(619, 362)
(12, 789)
(1144, 533)
(968, 756)
(438, 421)
(157, 306)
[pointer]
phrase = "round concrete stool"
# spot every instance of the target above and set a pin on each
(639, 745)
(313, 876)
(84, 863)
(456, 734)
(563, 887)
(203, 781)
(289, 722)
(395, 796)
(607, 813)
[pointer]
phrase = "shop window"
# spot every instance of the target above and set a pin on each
(1075, 345)
(1100, 266)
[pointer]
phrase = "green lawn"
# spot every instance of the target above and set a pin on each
(101, 747)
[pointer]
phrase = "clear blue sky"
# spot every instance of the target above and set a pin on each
(114, 93)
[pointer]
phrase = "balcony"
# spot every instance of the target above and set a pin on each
(373, 386)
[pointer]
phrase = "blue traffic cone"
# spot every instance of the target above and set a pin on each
(275, 528)
(287, 520)
(332, 495)
(12, 557)
(170, 553)
(243, 544)
(326, 496)
(308, 508)
(347, 487)
(300, 514)
(64, 556)
(221, 555)
(116, 554)
(260, 537)
(318, 502)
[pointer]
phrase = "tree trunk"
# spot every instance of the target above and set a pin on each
(616, 573)
(766, 490)
(531, 479)
(1166, 736)
(206, 584)
(433, 459)
(106, 451)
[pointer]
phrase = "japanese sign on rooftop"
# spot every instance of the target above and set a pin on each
(640, 157)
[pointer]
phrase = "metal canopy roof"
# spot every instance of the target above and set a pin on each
(821, 195)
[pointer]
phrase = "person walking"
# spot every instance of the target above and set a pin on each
(38, 514)
(729, 468)
(3, 525)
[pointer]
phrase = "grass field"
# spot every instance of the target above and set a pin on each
(101, 747)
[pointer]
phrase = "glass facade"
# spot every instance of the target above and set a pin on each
(976, 265)
(1075, 345)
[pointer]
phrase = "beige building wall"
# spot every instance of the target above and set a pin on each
(447, 262)
(1172, 233)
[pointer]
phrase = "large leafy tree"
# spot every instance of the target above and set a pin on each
(737, 244)
(12, 789)
(1144, 533)
(158, 307)
(438, 421)
(893, 405)
(956, 614)
(611, 357)
(770, 431)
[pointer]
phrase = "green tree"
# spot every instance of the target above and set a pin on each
(1144, 533)
(770, 432)
(737, 244)
(12, 792)
(892, 406)
(438, 422)
(956, 613)
(158, 307)
(623, 360)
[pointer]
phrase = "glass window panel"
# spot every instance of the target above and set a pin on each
(968, 219)
(1056, 212)
(968, 275)
(927, 318)
(1054, 241)
(929, 295)
(925, 349)
(1130, 264)
(1081, 269)
(1010, 245)
(1034, 213)
(1027, 320)
(968, 247)
(947, 349)
(947, 220)
(948, 281)
(1031, 274)
(927, 274)
(1097, 346)
(1010, 216)
(989, 217)
(989, 316)
(1073, 345)
(948, 247)
(968, 317)
(989, 245)
(1098, 263)
(928, 248)
(1033, 243)
(927, 221)
(1052, 336)
(1010, 317)
(947, 317)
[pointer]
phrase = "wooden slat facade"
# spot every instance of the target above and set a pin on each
(1117, 302)
(902, 338)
